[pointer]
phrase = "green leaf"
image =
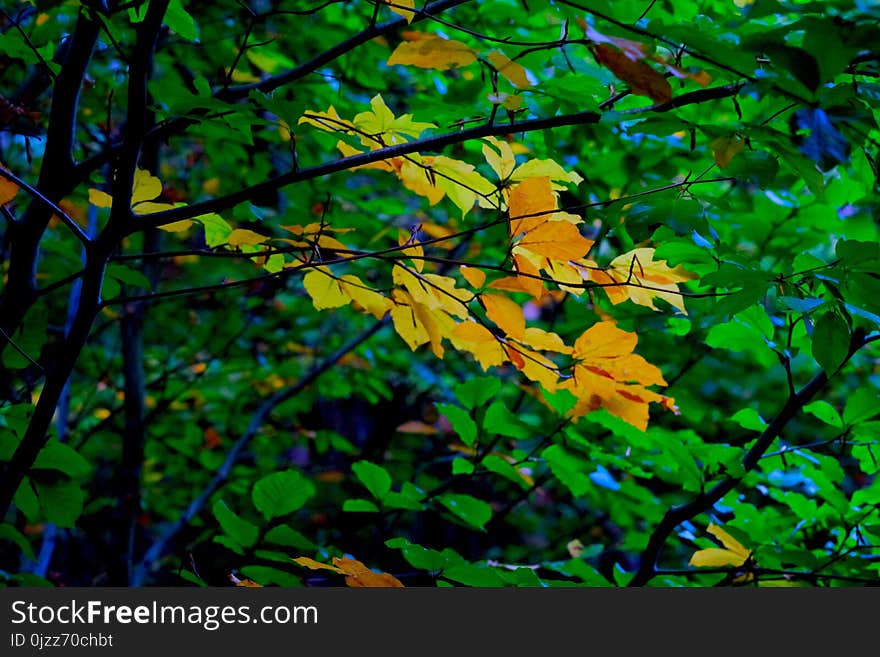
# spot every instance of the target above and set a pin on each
(267, 575)
(749, 418)
(62, 502)
(281, 493)
(473, 575)
(569, 469)
(129, 276)
(825, 412)
(358, 505)
(424, 558)
(500, 420)
(831, 340)
(461, 466)
(62, 457)
(857, 255)
(801, 305)
(11, 534)
(475, 513)
(862, 405)
(241, 531)
(463, 424)
(477, 391)
(374, 477)
(29, 338)
(26, 500)
(180, 22)
(288, 537)
(500, 466)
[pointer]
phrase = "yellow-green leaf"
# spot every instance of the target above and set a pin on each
(325, 290)
(432, 51)
(514, 72)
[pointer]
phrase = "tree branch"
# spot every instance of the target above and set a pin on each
(430, 144)
(157, 549)
(675, 516)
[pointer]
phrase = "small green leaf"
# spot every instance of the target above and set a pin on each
(749, 418)
(62, 457)
(473, 575)
(180, 22)
(500, 420)
(569, 469)
(825, 412)
(359, 505)
(831, 341)
(26, 500)
(10, 533)
(129, 276)
(477, 391)
(475, 513)
(374, 477)
(240, 530)
(281, 493)
(463, 424)
(500, 466)
(62, 503)
(461, 466)
(266, 575)
(286, 536)
(425, 558)
(862, 405)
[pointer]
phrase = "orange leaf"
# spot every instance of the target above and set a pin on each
(506, 314)
(531, 203)
(315, 565)
(558, 240)
(358, 575)
(476, 277)
(8, 189)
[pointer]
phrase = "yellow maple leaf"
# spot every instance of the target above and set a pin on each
(145, 189)
(514, 72)
(479, 341)
(732, 554)
(325, 289)
(434, 291)
(431, 51)
(371, 301)
(506, 313)
(329, 121)
(548, 168)
(544, 340)
(241, 236)
(382, 128)
(476, 277)
(637, 276)
(403, 8)
(499, 155)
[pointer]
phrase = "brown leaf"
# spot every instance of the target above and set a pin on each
(642, 79)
